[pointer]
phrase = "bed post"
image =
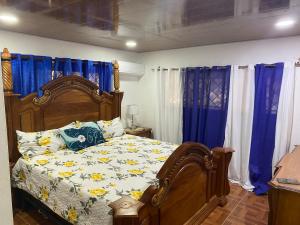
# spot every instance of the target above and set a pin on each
(222, 157)
(116, 76)
(6, 71)
(126, 211)
(118, 96)
(9, 97)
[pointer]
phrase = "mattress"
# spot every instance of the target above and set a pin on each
(78, 186)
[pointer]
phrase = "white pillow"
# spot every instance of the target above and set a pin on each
(111, 128)
(42, 142)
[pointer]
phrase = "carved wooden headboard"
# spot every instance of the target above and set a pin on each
(64, 100)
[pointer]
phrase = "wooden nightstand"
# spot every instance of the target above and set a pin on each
(140, 131)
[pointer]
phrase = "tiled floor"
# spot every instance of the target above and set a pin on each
(243, 208)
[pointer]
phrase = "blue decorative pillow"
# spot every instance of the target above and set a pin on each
(82, 135)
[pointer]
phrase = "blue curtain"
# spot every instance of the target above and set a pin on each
(77, 67)
(205, 104)
(91, 72)
(105, 71)
(98, 72)
(30, 73)
(42, 72)
(267, 90)
(62, 67)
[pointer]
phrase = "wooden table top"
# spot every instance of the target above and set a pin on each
(288, 167)
(137, 129)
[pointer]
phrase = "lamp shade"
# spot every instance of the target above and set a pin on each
(132, 110)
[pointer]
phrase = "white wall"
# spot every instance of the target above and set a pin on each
(28, 44)
(240, 53)
(5, 204)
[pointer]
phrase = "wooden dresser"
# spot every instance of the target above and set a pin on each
(284, 199)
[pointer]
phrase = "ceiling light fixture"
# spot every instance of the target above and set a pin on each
(285, 23)
(131, 44)
(9, 18)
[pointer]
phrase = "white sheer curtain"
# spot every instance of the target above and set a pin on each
(240, 117)
(285, 111)
(169, 105)
(295, 136)
(239, 123)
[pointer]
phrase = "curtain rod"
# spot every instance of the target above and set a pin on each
(166, 69)
(297, 64)
(267, 65)
(41, 58)
(221, 67)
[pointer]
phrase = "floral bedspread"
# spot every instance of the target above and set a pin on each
(78, 186)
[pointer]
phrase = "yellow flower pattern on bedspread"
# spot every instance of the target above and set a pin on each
(44, 141)
(78, 186)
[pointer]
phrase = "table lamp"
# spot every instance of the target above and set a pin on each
(131, 111)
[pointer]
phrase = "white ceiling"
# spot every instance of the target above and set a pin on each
(154, 24)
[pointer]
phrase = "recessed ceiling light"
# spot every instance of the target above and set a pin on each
(9, 18)
(285, 23)
(131, 44)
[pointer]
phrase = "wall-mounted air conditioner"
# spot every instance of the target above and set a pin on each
(128, 69)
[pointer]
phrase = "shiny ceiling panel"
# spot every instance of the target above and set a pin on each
(196, 12)
(35, 5)
(154, 24)
(27, 6)
(84, 16)
(269, 5)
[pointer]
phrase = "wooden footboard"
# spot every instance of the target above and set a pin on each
(192, 183)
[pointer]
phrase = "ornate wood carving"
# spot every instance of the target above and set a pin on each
(43, 99)
(128, 207)
(6, 71)
(161, 193)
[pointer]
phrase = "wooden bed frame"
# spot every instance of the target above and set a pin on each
(192, 182)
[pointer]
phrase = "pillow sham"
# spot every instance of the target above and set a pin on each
(82, 135)
(37, 143)
(111, 128)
